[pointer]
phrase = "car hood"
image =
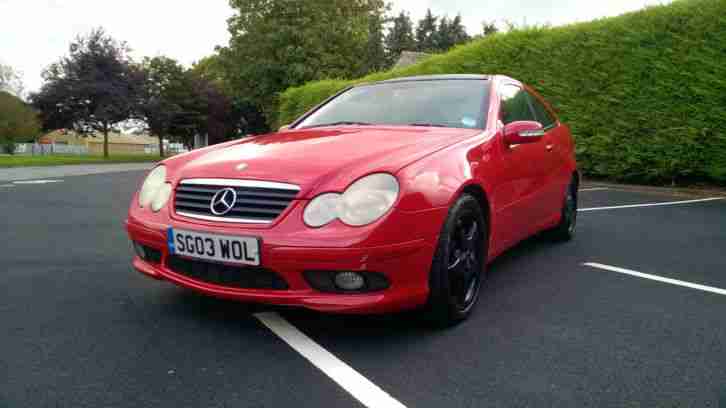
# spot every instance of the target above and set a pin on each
(326, 159)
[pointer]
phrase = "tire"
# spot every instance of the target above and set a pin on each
(565, 230)
(458, 268)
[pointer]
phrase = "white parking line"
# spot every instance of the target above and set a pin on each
(703, 200)
(594, 189)
(350, 380)
(657, 278)
(37, 181)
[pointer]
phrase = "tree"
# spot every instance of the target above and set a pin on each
(457, 31)
(244, 118)
(399, 38)
(443, 38)
(18, 122)
(426, 33)
(93, 88)
(489, 28)
(11, 81)
(211, 68)
(375, 54)
(166, 88)
(181, 103)
(219, 119)
(276, 44)
(191, 116)
(450, 33)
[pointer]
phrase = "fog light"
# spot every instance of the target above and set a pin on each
(140, 251)
(349, 281)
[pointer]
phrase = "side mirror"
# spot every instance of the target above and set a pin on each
(523, 132)
(283, 128)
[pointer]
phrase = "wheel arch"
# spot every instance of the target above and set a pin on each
(439, 307)
(478, 192)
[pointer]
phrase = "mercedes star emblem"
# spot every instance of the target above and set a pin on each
(223, 201)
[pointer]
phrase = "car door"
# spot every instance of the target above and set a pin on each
(524, 169)
(555, 177)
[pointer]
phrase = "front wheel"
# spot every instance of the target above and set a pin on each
(565, 230)
(459, 264)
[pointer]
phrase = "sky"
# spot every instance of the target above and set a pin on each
(36, 33)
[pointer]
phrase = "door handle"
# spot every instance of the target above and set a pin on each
(550, 147)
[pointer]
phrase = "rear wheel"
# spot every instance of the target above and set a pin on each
(458, 267)
(565, 230)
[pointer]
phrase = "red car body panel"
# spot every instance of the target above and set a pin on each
(523, 189)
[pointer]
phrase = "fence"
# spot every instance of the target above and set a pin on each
(48, 149)
(37, 149)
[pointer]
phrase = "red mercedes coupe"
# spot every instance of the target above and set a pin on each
(387, 196)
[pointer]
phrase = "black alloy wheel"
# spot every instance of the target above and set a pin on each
(459, 265)
(464, 265)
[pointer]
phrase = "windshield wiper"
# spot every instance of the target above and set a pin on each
(427, 124)
(341, 123)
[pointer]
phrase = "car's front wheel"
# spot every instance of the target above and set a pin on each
(459, 264)
(565, 230)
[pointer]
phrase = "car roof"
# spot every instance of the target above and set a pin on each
(436, 77)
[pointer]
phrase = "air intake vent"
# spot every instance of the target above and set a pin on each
(245, 277)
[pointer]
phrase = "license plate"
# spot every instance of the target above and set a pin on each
(214, 247)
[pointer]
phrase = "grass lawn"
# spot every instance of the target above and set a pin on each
(57, 160)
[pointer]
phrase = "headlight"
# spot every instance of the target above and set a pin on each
(154, 191)
(368, 199)
(321, 210)
(364, 202)
(161, 197)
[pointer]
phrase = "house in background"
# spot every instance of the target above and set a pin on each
(201, 141)
(409, 58)
(118, 143)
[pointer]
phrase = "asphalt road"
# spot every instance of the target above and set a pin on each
(52, 172)
(81, 329)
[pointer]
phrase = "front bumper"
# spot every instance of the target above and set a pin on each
(405, 264)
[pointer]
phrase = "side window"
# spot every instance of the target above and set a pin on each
(543, 115)
(515, 105)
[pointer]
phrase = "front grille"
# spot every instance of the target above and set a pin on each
(241, 277)
(257, 201)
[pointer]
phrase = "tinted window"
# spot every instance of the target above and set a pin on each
(450, 103)
(515, 105)
(543, 115)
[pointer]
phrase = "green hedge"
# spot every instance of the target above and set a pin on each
(644, 93)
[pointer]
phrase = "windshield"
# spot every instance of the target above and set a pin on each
(446, 103)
